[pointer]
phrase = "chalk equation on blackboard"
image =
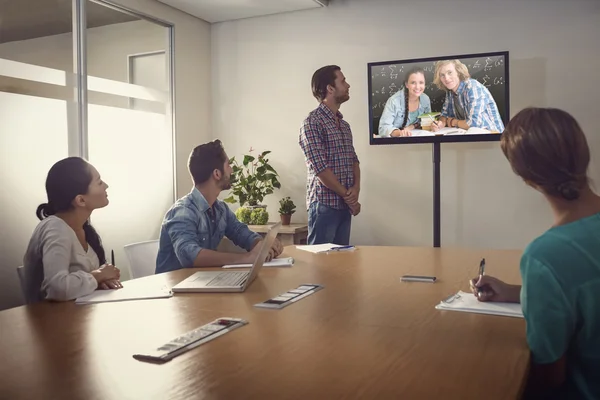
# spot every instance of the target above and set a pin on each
(488, 66)
(488, 82)
(395, 71)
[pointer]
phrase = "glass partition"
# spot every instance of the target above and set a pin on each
(98, 86)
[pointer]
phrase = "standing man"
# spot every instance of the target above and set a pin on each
(333, 182)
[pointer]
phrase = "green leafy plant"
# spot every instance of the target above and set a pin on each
(286, 206)
(259, 216)
(254, 179)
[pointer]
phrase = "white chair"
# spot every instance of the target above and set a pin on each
(142, 258)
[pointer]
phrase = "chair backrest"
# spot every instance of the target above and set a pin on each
(142, 258)
(29, 293)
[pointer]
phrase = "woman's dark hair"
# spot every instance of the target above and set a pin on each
(204, 159)
(546, 147)
(67, 179)
(416, 70)
(322, 78)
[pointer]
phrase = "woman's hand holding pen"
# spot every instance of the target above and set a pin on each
(488, 288)
(437, 125)
(110, 284)
(107, 272)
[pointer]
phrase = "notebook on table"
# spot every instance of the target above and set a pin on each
(467, 302)
(130, 291)
(325, 248)
(276, 262)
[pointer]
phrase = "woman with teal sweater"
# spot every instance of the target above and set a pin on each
(560, 270)
(395, 120)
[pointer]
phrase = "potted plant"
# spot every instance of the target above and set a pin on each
(286, 209)
(251, 182)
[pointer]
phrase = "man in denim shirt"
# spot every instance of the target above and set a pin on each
(194, 226)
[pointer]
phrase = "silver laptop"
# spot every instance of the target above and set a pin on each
(229, 281)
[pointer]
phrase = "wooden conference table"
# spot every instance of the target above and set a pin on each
(366, 335)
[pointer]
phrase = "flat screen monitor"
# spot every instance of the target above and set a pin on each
(465, 96)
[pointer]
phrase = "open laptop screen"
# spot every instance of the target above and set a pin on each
(266, 245)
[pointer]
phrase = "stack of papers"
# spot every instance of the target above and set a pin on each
(277, 262)
(130, 291)
(325, 248)
(467, 302)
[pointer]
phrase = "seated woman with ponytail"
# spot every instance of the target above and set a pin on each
(65, 258)
(560, 270)
(402, 109)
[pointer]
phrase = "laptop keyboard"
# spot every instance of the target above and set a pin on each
(228, 279)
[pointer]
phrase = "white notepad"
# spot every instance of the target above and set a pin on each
(325, 248)
(128, 292)
(277, 262)
(467, 302)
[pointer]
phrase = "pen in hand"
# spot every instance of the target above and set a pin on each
(112, 257)
(481, 273)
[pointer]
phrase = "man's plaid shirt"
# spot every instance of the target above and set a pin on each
(326, 145)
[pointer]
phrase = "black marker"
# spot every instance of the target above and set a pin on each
(112, 257)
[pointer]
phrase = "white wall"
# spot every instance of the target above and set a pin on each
(192, 81)
(261, 70)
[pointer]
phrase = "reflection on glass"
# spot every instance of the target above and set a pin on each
(36, 66)
(129, 126)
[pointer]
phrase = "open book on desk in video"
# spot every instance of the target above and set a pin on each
(277, 262)
(447, 131)
(467, 302)
(137, 291)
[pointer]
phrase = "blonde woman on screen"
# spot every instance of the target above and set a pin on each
(560, 270)
(400, 115)
(468, 103)
(65, 258)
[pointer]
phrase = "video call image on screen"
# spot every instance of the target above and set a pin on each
(479, 98)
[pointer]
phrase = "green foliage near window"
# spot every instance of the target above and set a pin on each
(252, 180)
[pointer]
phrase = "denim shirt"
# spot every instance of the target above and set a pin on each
(188, 228)
(393, 113)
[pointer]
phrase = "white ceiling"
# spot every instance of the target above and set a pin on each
(226, 10)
